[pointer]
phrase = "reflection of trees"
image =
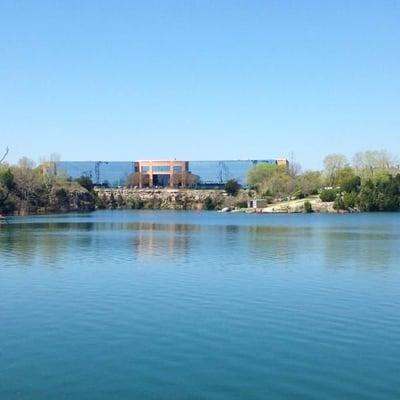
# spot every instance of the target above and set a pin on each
(327, 245)
(19, 242)
(360, 247)
(331, 246)
(278, 244)
(42, 243)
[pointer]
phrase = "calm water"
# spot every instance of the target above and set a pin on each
(164, 305)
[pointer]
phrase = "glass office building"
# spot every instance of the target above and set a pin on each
(218, 172)
(115, 173)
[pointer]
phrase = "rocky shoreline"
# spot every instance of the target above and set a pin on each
(194, 199)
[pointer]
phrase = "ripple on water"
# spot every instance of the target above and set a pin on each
(171, 305)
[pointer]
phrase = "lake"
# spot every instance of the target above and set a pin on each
(197, 305)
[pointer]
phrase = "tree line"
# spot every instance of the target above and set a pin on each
(370, 181)
(26, 188)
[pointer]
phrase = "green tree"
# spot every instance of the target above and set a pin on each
(271, 179)
(367, 197)
(309, 183)
(351, 184)
(7, 184)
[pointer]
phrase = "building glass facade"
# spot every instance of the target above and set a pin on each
(218, 172)
(115, 173)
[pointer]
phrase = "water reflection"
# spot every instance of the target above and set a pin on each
(162, 240)
(52, 243)
(331, 247)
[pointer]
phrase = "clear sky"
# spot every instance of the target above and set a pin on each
(124, 80)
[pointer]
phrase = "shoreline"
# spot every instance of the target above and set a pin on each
(184, 200)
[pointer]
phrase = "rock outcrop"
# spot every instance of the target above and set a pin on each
(169, 199)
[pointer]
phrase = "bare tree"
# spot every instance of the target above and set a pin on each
(138, 179)
(49, 164)
(27, 184)
(372, 162)
(3, 157)
(294, 167)
(26, 163)
(333, 164)
(184, 179)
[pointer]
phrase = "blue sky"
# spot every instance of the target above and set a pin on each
(124, 80)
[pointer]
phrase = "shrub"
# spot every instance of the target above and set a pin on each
(241, 204)
(350, 200)
(298, 194)
(85, 182)
(209, 203)
(308, 207)
(328, 195)
(113, 202)
(339, 204)
(347, 201)
(120, 201)
(101, 201)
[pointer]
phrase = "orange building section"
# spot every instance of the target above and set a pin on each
(283, 162)
(161, 171)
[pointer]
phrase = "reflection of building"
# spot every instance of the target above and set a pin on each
(161, 173)
(164, 173)
(162, 240)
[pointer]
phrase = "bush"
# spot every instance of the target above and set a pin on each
(113, 202)
(267, 194)
(85, 182)
(120, 201)
(347, 201)
(101, 202)
(7, 184)
(298, 194)
(308, 207)
(209, 203)
(7, 179)
(350, 200)
(339, 204)
(58, 199)
(241, 204)
(153, 204)
(232, 187)
(7, 204)
(328, 195)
